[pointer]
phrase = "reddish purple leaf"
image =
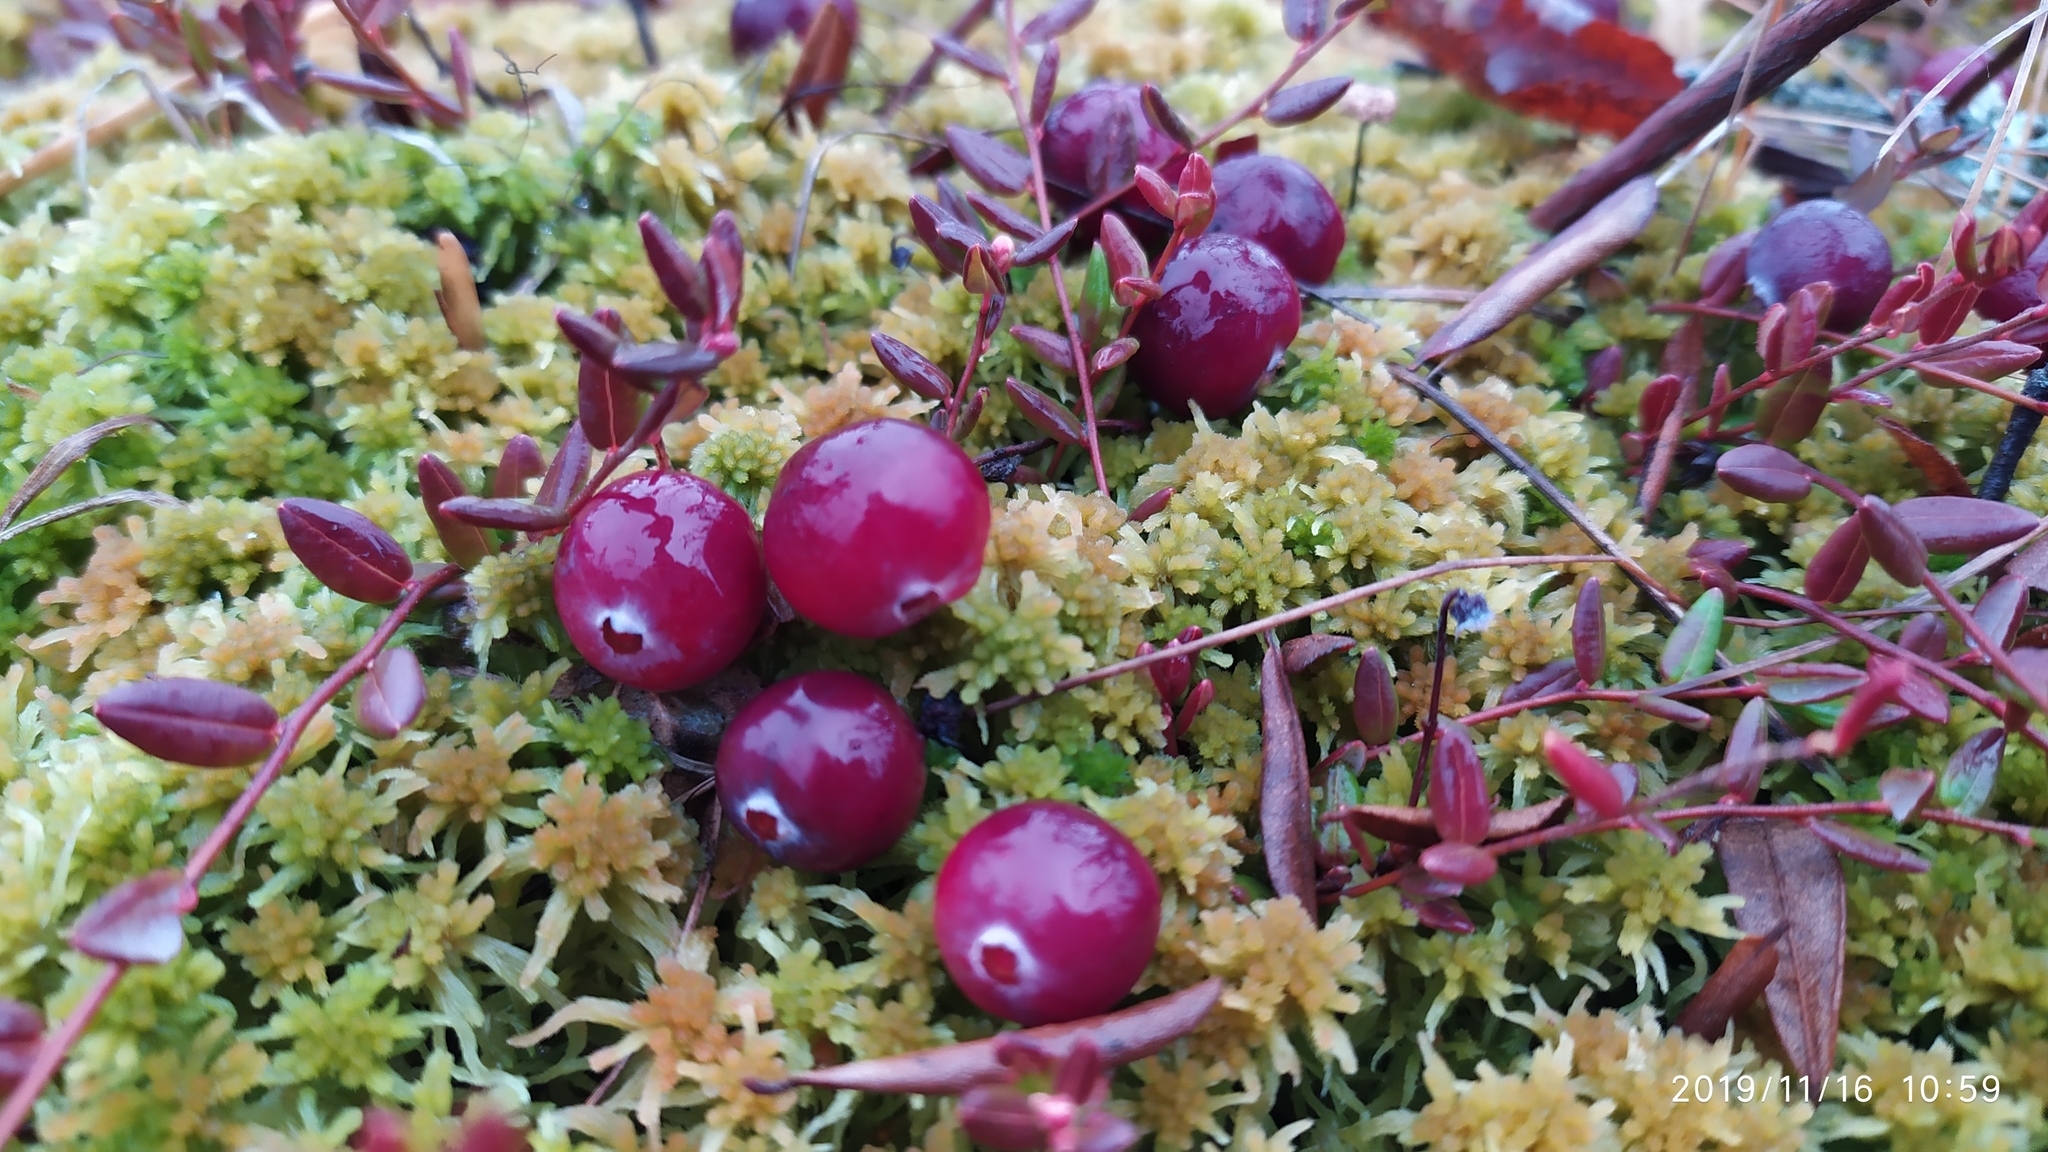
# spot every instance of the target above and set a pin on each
(21, 1039)
(439, 484)
(1057, 20)
(1587, 779)
(1045, 413)
(1941, 474)
(489, 1132)
(1118, 1038)
(1665, 708)
(1304, 20)
(910, 367)
(1460, 864)
(1659, 399)
(1922, 697)
(1304, 102)
(1927, 634)
(511, 515)
(1789, 879)
(345, 550)
(1986, 360)
(1741, 770)
(994, 165)
(821, 68)
(1286, 819)
(1608, 228)
(1003, 216)
(137, 922)
(1892, 543)
(680, 277)
(1374, 707)
(1303, 651)
(999, 1116)
(1509, 822)
(661, 360)
(1556, 676)
(1589, 632)
(198, 722)
(1725, 273)
(586, 335)
(1442, 914)
(1905, 791)
(1866, 709)
(1793, 406)
(725, 253)
(1762, 472)
(1162, 116)
(1125, 255)
(1741, 977)
(1972, 772)
(390, 695)
(566, 472)
(1047, 347)
(1459, 801)
(1151, 506)
(1045, 81)
(1043, 248)
(1809, 683)
(1860, 845)
(1111, 356)
(607, 407)
(1963, 525)
(1411, 826)
(519, 462)
(967, 56)
(1834, 571)
(1998, 612)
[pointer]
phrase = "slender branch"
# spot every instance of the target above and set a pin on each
(2019, 435)
(53, 1050)
(1299, 612)
(975, 14)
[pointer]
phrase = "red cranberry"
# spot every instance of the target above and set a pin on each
(873, 527)
(1045, 913)
(757, 23)
(824, 771)
(1226, 310)
(1823, 240)
(1081, 156)
(2016, 293)
(659, 580)
(1282, 206)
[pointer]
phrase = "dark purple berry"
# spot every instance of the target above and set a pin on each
(1226, 311)
(1822, 240)
(875, 526)
(659, 582)
(1045, 913)
(2014, 294)
(1282, 206)
(1083, 158)
(824, 771)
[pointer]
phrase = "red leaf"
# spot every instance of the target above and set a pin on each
(1742, 977)
(197, 722)
(1047, 347)
(1762, 472)
(1894, 545)
(821, 69)
(910, 367)
(1998, 612)
(1857, 844)
(1741, 770)
(1304, 20)
(138, 922)
(1607, 229)
(1986, 360)
(969, 57)
(1460, 864)
(1459, 800)
(1161, 115)
(725, 254)
(512, 515)
(1411, 826)
(566, 472)
(1003, 216)
(1442, 914)
(1045, 413)
(1809, 683)
(1665, 708)
(1941, 474)
(390, 695)
(1374, 707)
(1788, 878)
(1303, 651)
(1835, 570)
(1045, 81)
(1964, 525)
(994, 165)
(489, 1132)
(586, 335)
(1112, 355)
(518, 463)
(606, 406)
(1286, 820)
(1304, 102)
(1541, 58)
(661, 360)
(1585, 778)
(1118, 1038)
(1552, 677)
(439, 484)
(1151, 506)
(1043, 248)
(680, 277)
(345, 550)
(21, 1039)
(1589, 632)
(1126, 256)
(1724, 276)
(1057, 20)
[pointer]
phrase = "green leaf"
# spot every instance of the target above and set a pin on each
(1102, 768)
(1690, 650)
(1097, 302)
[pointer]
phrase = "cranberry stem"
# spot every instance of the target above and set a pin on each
(1034, 137)
(1573, 696)
(975, 350)
(1992, 649)
(51, 1055)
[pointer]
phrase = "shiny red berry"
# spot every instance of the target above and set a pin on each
(1044, 913)
(1226, 311)
(823, 770)
(659, 582)
(875, 526)
(1285, 209)
(1082, 157)
(1822, 240)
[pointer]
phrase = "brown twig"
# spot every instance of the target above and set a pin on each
(1784, 50)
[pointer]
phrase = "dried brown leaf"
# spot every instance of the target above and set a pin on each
(1788, 877)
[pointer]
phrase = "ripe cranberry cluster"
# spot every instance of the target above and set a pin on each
(1228, 305)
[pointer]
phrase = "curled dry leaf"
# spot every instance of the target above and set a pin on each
(199, 722)
(61, 456)
(1304, 102)
(1941, 474)
(1286, 818)
(1118, 1038)
(390, 695)
(138, 921)
(1609, 227)
(1740, 978)
(1303, 651)
(1964, 525)
(1789, 880)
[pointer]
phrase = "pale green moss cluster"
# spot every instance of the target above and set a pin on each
(493, 902)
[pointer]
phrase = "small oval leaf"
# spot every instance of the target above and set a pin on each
(910, 367)
(1836, 569)
(1964, 525)
(198, 722)
(137, 922)
(391, 694)
(1045, 413)
(994, 165)
(1690, 650)
(345, 550)
(1764, 472)
(1589, 632)
(1304, 102)
(1972, 772)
